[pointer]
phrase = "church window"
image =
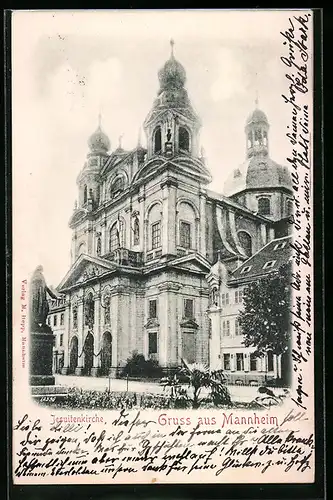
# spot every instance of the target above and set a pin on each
(270, 363)
(85, 193)
(152, 343)
(117, 187)
(240, 362)
(184, 139)
(264, 206)
(226, 328)
(157, 140)
(185, 235)
(226, 361)
(136, 231)
(89, 317)
(75, 317)
(188, 308)
(290, 208)
(156, 235)
(246, 242)
(153, 309)
(61, 340)
(99, 246)
(62, 319)
(55, 319)
(116, 236)
(258, 137)
(253, 362)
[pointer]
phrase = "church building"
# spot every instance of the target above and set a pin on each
(146, 231)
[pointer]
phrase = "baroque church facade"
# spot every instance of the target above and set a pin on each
(146, 231)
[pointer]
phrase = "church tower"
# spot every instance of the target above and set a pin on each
(89, 190)
(261, 184)
(172, 126)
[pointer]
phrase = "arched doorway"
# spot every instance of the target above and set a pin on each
(73, 356)
(106, 353)
(88, 350)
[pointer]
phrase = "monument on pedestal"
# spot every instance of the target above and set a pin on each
(41, 336)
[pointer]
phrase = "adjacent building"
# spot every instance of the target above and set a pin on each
(146, 231)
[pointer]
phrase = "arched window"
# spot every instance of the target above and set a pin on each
(264, 206)
(246, 242)
(184, 139)
(89, 310)
(185, 234)
(116, 236)
(99, 246)
(290, 208)
(136, 231)
(85, 193)
(117, 187)
(157, 140)
(156, 235)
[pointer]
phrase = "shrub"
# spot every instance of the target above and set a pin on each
(138, 366)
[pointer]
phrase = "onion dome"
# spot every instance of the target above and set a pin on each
(99, 141)
(257, 116)
(172, 75)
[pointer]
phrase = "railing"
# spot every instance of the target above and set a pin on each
(125, 257)
(57, 302)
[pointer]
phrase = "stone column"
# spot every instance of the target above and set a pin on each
(104, 238)
(169, 195)
(97, 336)
(67, 323)
(80, 333)
(116, 331)
(215, 350)
(202, 226)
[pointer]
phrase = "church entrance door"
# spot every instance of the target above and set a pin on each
(106, 353)
(88, 354)
(73, 356)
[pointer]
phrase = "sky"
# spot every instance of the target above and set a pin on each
(69, 66)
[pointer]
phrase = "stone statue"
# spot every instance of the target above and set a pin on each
(38, 302)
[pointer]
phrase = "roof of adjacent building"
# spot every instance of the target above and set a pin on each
(268, 259)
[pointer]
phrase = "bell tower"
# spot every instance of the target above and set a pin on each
(256, 131)
(172, 126)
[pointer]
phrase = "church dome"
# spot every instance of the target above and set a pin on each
(258, 173)
(99, 141)
(257, 116)
(172, 75)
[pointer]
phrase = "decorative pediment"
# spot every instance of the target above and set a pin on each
(152, 323)
(85, 268)
(193, 263)
(189, 323)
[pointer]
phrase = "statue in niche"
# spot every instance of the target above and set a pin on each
(39, 308)
(75, 317)
(107, 305)
(215, 297)
(90, 311)
(136, 229)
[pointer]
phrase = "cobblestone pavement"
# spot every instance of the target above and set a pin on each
(238, 393)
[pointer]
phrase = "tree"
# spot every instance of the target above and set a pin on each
(197, 377)
(265, 318)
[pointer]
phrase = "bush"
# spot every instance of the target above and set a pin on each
(137, 366)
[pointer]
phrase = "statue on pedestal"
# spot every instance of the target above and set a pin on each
(41, 336)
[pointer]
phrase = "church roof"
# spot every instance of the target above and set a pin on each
(258, 172)
(257, 116)
(267, 260)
